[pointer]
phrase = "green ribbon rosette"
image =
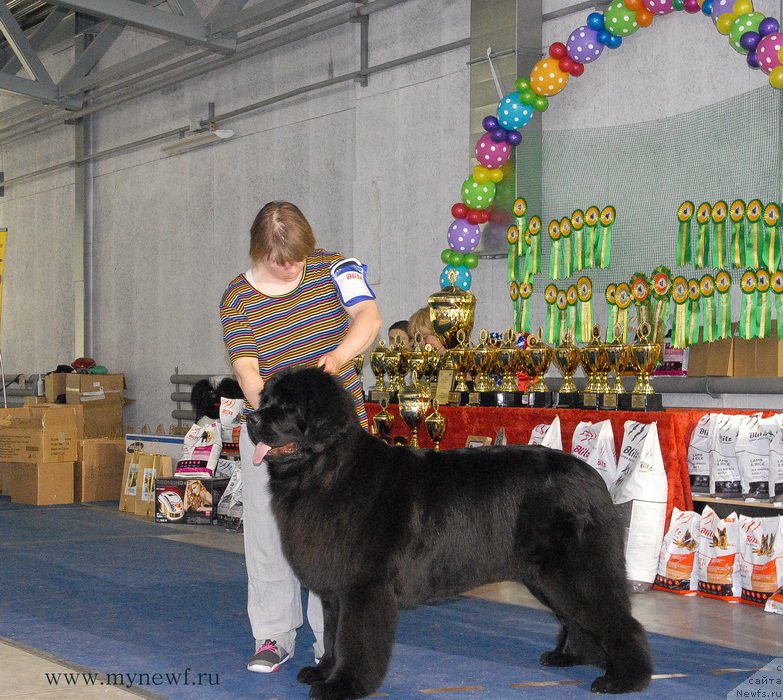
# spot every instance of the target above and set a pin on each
(533, 250)
(754, 237)
(661, 284)
(708, 320)
(701, 258)
(603, 251)
(578, 245)
(513, 293)
(720, 211)
(565, 246)
(523, 318)
(777, 290)
(684, 217)
(552, 316)
(584, 314)
(749, 319)
(592, 216)
(680, 299)
(572, 312)
(520, 209)
(737, 248)
(611, 311)
(693, 317)
(514, 258)
(763, 283)
(723, 305)
(561, 302)
(771, 250)
(623, 299)
(555, 257)
(640, 295)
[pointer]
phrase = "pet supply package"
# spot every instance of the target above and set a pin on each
(775, 602)
(640, 493)
(699, 454)
(725, 479)
(229, 510)
(594, 443)
(753, 438)
(230, 419)
(677, 571)
(761, 558)
(718, 560)
(200, 451)
(776, 466)
(547, 435)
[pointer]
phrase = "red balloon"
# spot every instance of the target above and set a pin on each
(558, 50)
(483, 216)
(577, 69)
(459, 211)
(565, 64)
(473, 216)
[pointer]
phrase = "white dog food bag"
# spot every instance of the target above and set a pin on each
(201, 449)
(677, 571)
(640, 493)
(761, 558)
(725, 479)
(776, 465)
(230, 419)
(753, 438)
(718, 560)
(594, 443)
(699, 454)
(547, 435)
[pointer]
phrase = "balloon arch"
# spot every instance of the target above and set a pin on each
(750, 33)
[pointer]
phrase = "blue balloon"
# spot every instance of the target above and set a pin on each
(490, 123)
(513, 138)
(769, 25)
(604, 37)
(512, 114)
(706, 8)
(614, 41)
(595, 20)
(464, 278)
(498, 135)
(749, 40)
(752, 60)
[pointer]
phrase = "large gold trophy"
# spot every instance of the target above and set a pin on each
(537, 356)
(618, 355)
(383, 421)
(509, 358)
(596, 365)
(377, 354)
(645, 354)
(567, 358)
(413, 402)
(435, 424)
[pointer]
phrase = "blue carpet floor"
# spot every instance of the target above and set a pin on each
(105, 594)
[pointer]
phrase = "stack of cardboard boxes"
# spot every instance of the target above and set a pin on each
(61, 453)
(736, 357)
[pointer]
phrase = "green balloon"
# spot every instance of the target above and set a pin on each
(470, 260)
(445, 255)
(619, 20)
(541, 103)
(744, 23)
(678, 4)
(527, 97)
(476, 196)
(521, 84)
(455, 258)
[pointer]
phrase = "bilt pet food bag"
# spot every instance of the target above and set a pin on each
(776, 465)
(717, 560)
(640, 493)
(753, 438)
(547, 435)
(677, 571)
(201, 449)
(699, 454)
(761, 558)
(230, 419)
(594, 443)
(725, 479)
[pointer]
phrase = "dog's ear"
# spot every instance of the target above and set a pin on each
(229, 388)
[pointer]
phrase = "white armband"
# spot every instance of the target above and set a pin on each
(350, 279)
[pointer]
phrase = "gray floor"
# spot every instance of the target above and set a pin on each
(737, 626)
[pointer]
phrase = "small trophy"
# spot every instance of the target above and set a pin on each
(644, 356)
(484, 360)
(417, 362)
(435, 424)
(537, 358)
(462, 357)
(379, 391)
(395, 362)
(383, 421)
(567, 357)
(618, 355)
(413, 402)
(509, 359)
(596, 365)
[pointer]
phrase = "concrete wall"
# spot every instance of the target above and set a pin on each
(375, 168)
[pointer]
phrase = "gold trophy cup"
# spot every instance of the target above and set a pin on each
(509, 360)
(567, 358)
(378, 368)
(451, 310)
(645, 354)
(484, 356)
(537, 358)
(413, 402)
(462, 357)
(618, 355)
(435, 424)
(383, 421)
(596, 364)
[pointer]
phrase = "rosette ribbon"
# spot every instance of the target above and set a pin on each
(693, 318)
(749, 318)
(737, 248)
(552, 315)
(514, 259)
(723, 305)
(771, 250)
(565, 243)
(661, 285)
(684, 217)
(577, 236)
(701, 258)
(640, 294)
(612, 311)
(623, 299)
(592, 215)
(708, 320)
(604, 248)
(561, 302)
(520, 209)
(513, 292)
(584, 314)
(572, 312)
(680, 298)
(533, 250)
(523, 304)
(555, 258)
(763, 283)
(777, 289)
(754, 235)
(720, 211)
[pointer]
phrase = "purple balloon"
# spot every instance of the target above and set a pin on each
(464, 237)
(583, 45)
(498, 135)
(513, 137)
(752, 60)
(490, 123)
(749, 40)
(769, 25)
(720, 7)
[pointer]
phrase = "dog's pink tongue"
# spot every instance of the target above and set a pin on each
(260, 452)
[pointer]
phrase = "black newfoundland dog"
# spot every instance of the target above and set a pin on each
(369, 527)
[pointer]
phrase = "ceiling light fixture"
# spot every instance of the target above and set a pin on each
(196, 139)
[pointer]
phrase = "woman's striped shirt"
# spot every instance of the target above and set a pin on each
(293, 329)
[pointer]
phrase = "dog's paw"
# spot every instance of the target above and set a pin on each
(311, 674)
(605, 684)
(557, 658)
(338, 689)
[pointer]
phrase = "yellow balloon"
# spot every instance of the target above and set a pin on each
(743, 7)
(481, 174)
(776, 78)
(724, 23)
(496, 175)
(546, 78)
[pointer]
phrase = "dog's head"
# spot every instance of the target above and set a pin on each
(206, 394)
(301, 413)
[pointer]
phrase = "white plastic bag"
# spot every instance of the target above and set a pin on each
(594, 443)
(201, 449)
(677, 571)
(725, 479)
(640, 493)
(699, 454)
(547, 435)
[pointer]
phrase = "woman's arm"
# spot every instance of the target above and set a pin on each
(246, 371)
(365, 324)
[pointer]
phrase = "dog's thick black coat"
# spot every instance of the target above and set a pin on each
(205, 395)
(369, 527)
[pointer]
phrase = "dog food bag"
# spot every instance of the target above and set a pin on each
(776, 466)
(753, 438)
(677, 570)
(200, 451)
(547, 435)
(725, 479)
(699, 454)
(761, 558)
(230, 419)
(594, 443)
(717, 559)
(640, 493)
(775, 602)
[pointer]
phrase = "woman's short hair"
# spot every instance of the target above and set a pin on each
(420, 322)
(281, 233)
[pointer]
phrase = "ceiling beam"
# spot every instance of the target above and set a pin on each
(126, 12)
(40, 92)
(38, 36)
(21, 47)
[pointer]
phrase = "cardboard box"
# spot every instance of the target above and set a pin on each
(715, 359)
(151, 468)
(744, 358)
(37, 434)
(80, 388)
(129, 486)
(170, 445)
(769, 355)
(41, 484)
(98, 471)
(189, 501)
(54, 386)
